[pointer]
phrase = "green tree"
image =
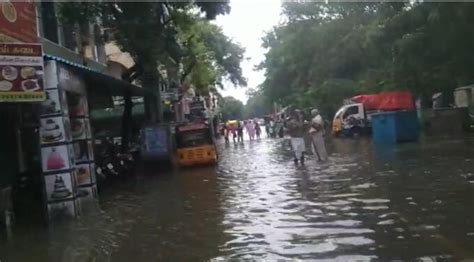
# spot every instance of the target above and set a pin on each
(231, 108)
(209, 56)
(345, 49)
(257, 106)
(149, 31)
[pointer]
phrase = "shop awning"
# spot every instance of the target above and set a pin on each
(98, 80)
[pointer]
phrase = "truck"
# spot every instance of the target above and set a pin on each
(354, 117)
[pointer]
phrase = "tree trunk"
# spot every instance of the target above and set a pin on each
(152, 99)
(126, 121)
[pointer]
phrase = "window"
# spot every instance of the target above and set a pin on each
(70, 40)
(50, 22)
(194, 138)
(353, 110)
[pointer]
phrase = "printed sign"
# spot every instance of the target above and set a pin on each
(59, 186)
(155, 142)
(70, 81)
(52, 130)
(18, 21)
(21, 73)
(55, 158)
(51, 105)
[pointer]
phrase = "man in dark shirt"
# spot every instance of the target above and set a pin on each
(296, 130)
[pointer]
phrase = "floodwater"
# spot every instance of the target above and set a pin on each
(409, 202)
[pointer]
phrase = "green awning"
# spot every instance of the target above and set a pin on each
(116, 112)
(99, 82)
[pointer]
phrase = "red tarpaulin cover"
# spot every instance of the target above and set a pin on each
(386, 101)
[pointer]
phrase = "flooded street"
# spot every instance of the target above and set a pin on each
(412, 201)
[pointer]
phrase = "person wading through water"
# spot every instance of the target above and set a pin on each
(317, 136)
(258, 130)
(296, 129)
(240, 132)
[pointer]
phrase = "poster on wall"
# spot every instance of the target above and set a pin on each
(52, 105)
(70, 81)
(58, 187)
(62, 209)
(52, 130)
(50, 75)
(55, 158)
(85, 193)
(21, 72)
(83, 174)
(155, 142)
(77, 105)
(81, 151)
(78, 128)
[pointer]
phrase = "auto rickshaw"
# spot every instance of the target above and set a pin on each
(195, 145)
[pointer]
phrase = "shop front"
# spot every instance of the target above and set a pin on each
(21, 91)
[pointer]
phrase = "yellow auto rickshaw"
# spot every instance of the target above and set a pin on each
(195, 145)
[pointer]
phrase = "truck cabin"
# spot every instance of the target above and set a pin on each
(353, 110)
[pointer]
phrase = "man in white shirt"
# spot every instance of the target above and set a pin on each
(317, 136)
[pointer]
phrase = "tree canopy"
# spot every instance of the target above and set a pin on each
(209, 56)
(231, 108)
(326, 52)
(175, 35)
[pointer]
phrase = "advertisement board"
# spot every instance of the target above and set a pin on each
(18, 21)
(21, 72)
(155, 142)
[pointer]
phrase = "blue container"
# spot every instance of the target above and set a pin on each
(395, 126)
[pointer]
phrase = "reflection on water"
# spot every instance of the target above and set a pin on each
(412, 201)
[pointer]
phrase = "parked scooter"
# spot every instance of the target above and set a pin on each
(111, 164)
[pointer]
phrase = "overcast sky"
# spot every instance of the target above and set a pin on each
(246, 24)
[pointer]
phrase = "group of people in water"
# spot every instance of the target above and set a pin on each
(294, 125)
(297, 127)
(236, 130)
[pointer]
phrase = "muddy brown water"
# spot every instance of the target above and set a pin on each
(412, 201)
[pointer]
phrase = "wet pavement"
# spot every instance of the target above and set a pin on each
(409, 202)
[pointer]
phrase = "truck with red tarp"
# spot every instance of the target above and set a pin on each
(354, 117)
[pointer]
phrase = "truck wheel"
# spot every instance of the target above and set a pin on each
(356, 131)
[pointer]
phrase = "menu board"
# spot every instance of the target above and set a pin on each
(21, 73)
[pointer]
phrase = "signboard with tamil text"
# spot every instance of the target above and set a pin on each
(21, 73)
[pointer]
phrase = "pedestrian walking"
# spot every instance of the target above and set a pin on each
(226, 133)
(296, 129)
(258, 130)
(317, 136)
(272, 129)
(250, 129)
(232, 128)
(240, 132)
